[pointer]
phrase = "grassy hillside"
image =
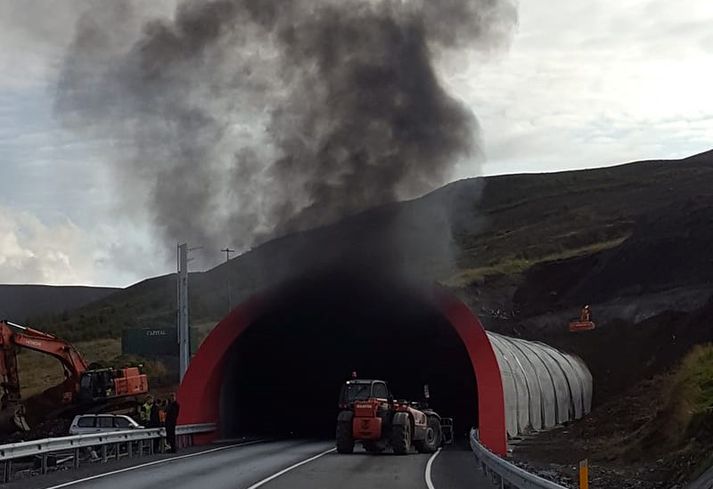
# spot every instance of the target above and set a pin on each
(510, 234)
(40, 371)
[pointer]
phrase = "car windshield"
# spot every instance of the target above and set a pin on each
(355, 392)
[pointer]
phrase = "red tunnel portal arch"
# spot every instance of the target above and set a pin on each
(199, 393)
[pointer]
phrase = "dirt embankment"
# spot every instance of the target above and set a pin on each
(635, 436)
(652, 297)
(657, 434)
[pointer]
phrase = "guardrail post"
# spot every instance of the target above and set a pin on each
(141, 448)
(43, 464)
(584, 474)
(75, 462)
(130, 449)
(7, 474)
(105, 454)
(117, 449)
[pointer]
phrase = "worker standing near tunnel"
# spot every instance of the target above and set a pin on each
(586, 314)
(154, 420)
(172, 410)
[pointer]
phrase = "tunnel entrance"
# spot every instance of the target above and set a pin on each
(283, 374)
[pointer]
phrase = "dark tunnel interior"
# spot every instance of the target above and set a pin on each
(284, 373)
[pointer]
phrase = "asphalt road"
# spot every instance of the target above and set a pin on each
(274, 465)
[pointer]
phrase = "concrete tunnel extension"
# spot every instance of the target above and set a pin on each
(275, 364)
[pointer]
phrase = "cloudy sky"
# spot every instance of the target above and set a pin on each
(583, 84)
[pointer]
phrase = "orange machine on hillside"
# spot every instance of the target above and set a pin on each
(81, 386)
(585, 322)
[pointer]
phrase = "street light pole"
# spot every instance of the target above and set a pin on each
(183, 326)
(227, 252)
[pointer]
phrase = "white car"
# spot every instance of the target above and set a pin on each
(85, 424)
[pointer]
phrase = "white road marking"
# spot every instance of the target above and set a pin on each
(278, 474)
(156, 462)
(429, 481)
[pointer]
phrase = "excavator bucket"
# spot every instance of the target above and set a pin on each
(21, 422)
(12, 419)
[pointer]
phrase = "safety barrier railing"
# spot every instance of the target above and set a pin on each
(503, 473)
(112, 445)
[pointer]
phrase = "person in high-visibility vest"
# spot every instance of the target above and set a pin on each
(145, 411)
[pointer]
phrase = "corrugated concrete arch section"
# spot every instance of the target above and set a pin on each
(542, 386)
(515, 386)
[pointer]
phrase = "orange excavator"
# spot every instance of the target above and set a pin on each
(82, 386)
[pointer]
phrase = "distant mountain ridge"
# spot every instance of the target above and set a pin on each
(20, 302)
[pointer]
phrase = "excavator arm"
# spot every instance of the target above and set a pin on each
(102, 386)
(14, 336)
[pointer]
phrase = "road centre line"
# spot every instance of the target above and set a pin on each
(429, 481)
(283, 471)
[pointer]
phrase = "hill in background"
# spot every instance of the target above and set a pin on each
(526, 249)
(19, 302)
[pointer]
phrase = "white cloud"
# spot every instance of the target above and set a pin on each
(594, 83)
(33, 252)
(61, 253)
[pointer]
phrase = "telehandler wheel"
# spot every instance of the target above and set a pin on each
(401, 438)
(345, 440)
(374, 446)
(433, 437)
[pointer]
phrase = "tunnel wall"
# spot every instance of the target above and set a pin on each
(542, 386)
(199, 393)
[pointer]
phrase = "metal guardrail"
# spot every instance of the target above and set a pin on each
(505, 474)
(192, 429)
(113, 445)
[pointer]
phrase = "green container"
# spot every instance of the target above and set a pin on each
(154, 342)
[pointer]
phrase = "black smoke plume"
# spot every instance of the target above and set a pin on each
(236, 121)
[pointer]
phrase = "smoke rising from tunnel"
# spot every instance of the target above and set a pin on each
(242, 120)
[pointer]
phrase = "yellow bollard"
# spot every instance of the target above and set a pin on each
(584, 474)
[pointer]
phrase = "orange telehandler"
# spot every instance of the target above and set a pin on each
(370, 415)
(81, 386)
